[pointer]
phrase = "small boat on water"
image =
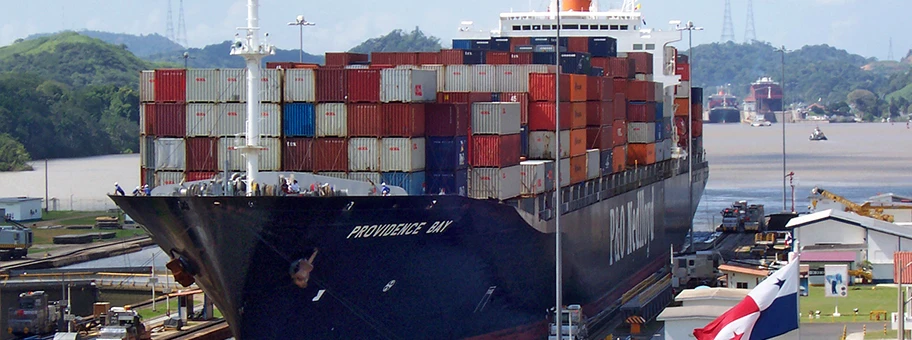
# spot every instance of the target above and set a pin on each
(817, 135)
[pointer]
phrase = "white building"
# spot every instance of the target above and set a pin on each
(876, 240)
(698, 308)
(21, 208)
(743, 277)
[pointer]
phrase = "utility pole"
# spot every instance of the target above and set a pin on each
(690, 208)
(782, 50)
(300, 22)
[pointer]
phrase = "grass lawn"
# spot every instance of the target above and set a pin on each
(865, 298)
(59, 215)
(46, 236)
(161, 309)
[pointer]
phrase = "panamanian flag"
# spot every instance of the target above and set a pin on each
(769, 310)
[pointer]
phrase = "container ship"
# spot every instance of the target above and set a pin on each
(723, 108)
(413, 195)
(763, 100)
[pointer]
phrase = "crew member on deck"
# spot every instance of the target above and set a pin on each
(137, 192)
(118, 190)
(147, 190)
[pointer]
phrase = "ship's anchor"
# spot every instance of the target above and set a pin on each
(300, 270)
(180, 269)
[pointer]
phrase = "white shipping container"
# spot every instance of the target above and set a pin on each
(331, 120)
(439, 71)
(299, 85)
(147, 152)
(643, 77)
(537, 177)
(142, 120)
(541, 144)
(500, 118)
(147, 86)
(407, 85)
(659, 93)
(170, 154)
(203, 85)
(593, 156)
(364, 154)
(202, 120)
(485, 78)
(168, 178)
(356, 67)
(460, 78)
(269, 158)
(402, 154)
(511, 78)
(497, 183)
(564, 172)
(365, 177)
(232, 119)
(682, 90)
(270, 86)
(640, 132)
(535, 68)
(233, 82)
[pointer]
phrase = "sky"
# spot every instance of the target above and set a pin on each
(859, 26)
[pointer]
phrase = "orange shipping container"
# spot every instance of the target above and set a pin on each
(578, 85)
(619, 158)
(578, 115)
(680, 106)
(641, 154)
(578, 143)
(578, 169)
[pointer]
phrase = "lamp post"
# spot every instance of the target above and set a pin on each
(782, 51)
(900, 301)
(300, 22)
(690, 28)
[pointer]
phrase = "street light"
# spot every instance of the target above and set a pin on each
(782, 50)
(690, 28)
(900, 318)
(300, 22)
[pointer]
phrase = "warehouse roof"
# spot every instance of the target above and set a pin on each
(12, 200)
(850, 218)
(712, 294)
(744, 270)
(702, 312)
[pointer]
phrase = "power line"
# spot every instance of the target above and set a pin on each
(750, 32)
(181, 27)
(728, 31)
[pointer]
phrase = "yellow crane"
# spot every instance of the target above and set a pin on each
(861, 209)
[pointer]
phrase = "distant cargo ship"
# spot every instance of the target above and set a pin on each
(764, 100)
(723, 108)
(459, 242)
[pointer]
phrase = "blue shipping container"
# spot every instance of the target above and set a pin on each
(603, 47)
(481, 44)
(545, 58)
(524, 141)
(500, 44)
(696, 95)
(596, 72)
(412, 182)
(564, 41)
(462, 44)
(446, 153)
(660, 131)
(576, 63)
(473, 57)
(525, 48)
(660, 109)
(451, 182)
(298, 119)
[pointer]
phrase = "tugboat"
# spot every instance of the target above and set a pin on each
(817, 135)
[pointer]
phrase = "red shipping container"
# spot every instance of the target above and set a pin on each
(578, 142)
(340, 59)
(380, 66)
(641, 154)
(497, 58)
(620, 86)
(202, 154)
(288, 65)
(199, 175)
(683, 70)
(521, 58)
(403, 120)
(149, 113)
(297, 154)
(620, 107)
(599, 113)
(619, 68)
(394, 58)
(619, 132)
(365, 120)
(447, 120)
(330, 154)
(697, 126)
(640, 91)
(168, 120)
(363, 86)
(641, 112)
(643, 61)
(428, 58)
(451, 57)
(603, 63)
(578, 169)
(171, 85)
(696, 111)
(523, 99)
(578, 44)
(495, 151)
(578, 115)
(330, 85)
(463, 97)
(592, 88)
(519, 41)
(681, 126)
(605, 89)
(599, 137)
(541, 116)
(619, 158)
(541, 87)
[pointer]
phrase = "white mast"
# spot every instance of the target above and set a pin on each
(253, 52)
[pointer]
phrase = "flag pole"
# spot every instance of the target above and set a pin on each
(795, 255)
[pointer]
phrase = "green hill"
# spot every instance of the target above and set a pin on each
(399, 41)
(217, 56)
(140, 45)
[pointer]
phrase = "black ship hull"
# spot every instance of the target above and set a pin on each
(724, 115)
(428, 267)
